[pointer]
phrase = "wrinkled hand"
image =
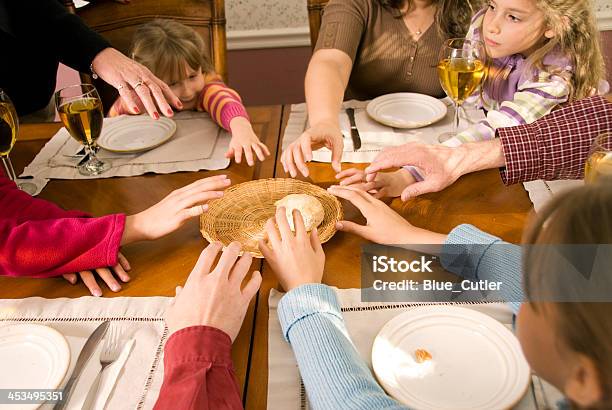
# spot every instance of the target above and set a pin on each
(299, 152)
(213, 297)
(297, 259)
(384, 225)
(245, 140)
(384, 185)
(106, 274)
(125, 75)
(439, 165)
(173, 211)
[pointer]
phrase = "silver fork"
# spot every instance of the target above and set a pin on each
(109, 354)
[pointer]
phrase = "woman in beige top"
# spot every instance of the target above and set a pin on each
(374, 47)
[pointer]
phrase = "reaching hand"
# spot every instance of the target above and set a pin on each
(384, 225)
(173, 211)
(213, 296)
(299, 152)
(106, 274)
(384, 185)
(439, 165)
(245, 140)
(296, 259)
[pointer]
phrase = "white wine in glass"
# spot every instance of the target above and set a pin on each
(599, 162)
(461, 70)
(80, 109)
(9, 128)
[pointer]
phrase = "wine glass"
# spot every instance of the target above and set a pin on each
(80, 109)
(9, 128)
(599, 162)
(460, 70)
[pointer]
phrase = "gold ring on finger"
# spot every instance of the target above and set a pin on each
(138, 84)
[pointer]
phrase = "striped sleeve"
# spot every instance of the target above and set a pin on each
(532, 101)
(221, 102)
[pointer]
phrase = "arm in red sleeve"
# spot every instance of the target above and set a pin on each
(556, 146)
(52, 247)
(19, 207)
(198, 371)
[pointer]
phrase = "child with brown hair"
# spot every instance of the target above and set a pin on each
(566, 342)
(176, 54)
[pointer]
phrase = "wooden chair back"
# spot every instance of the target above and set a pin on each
(117, 23)
(315, 11)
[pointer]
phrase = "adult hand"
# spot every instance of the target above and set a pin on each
(245, 140)
(439, 165)
(137, 86)
(297, 259)
(384, 185)
(322, 134)
(106, 274)
(173, 211)
(384, 225)
(213, 297)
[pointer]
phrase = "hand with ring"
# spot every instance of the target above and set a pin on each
(137, 86)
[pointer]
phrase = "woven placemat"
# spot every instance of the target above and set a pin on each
(244, 209)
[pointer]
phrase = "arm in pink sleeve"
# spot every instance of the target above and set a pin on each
(198, 371)
(221, 102)
(52, 247)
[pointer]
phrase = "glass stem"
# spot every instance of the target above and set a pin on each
(10, 168)
(455, 125)
(7, 169)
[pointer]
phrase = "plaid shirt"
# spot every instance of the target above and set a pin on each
(556, 146)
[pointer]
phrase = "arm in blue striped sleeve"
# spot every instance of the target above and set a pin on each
(335, 376)
(476, 255)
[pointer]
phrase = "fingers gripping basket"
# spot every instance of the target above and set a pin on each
(244, 209)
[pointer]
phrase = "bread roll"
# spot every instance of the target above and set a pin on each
(311, 209)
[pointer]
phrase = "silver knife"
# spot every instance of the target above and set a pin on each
(354, 131)
(88, 349)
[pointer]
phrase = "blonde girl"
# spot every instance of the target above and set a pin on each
(177, 55)
(542, 53)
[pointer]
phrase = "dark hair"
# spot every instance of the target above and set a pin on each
(452, 17)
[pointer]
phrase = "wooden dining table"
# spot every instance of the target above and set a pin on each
(158, 267)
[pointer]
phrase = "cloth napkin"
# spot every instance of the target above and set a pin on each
(363, 321)
(198, 144)
(540, 191)
(374, 136)
(134, 380)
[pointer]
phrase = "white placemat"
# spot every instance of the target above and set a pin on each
(138, 319)
(540, 192)
(198, 144)
(363, 321)
(374, 136)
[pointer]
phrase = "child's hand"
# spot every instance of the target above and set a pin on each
(384, 225)
(296, 259)
(106, 274)
(245, 140)
(385, 184)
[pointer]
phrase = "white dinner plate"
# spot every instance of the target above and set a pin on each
(476, 362)
(406, 110)
(33, 357)
(136, 133)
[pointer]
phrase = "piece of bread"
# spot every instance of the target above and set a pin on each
(311, 209)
